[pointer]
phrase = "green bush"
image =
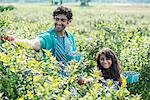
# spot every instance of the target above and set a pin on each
(23, 77)
(130, 42)
(24, 74)
(6, 8)
(84, 2)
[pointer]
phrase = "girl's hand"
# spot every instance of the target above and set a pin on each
(101, 78)
(84, 81)
(89, 80)
(100, 73)
(81, 81)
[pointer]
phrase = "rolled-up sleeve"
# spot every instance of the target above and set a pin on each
(45, 41)
(42, 42)
(43, 38)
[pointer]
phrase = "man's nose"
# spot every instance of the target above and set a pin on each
(59, 22)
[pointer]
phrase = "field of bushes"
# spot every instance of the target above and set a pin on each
(25, 75)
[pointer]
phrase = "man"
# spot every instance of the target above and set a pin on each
(57, 39)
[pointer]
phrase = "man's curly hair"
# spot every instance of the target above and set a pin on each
(63, 10)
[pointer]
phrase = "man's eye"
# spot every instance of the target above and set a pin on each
(63, 20)
(57, 19)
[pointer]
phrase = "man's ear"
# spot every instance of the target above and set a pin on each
(52, 17)
(69, 21)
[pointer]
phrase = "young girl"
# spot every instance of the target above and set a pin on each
(108, 66)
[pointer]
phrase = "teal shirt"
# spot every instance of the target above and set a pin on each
(63, 48)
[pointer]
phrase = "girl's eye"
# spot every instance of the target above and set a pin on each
(108, 58)
(102, 59)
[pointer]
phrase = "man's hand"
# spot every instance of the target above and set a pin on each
(7, 37)
(34, 43)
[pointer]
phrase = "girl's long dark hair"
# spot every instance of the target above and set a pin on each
(114, 71)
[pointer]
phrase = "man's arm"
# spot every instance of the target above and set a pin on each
(34, 43)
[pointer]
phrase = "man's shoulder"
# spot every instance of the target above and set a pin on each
(49, 33)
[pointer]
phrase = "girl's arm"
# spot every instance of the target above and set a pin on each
(84, 81)
(88, 80)
(120, 81)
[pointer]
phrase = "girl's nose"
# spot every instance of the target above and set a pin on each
(104, 60)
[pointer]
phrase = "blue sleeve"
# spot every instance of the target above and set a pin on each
(42, 42)
(45, 40)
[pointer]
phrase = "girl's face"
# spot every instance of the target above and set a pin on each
(105, 62)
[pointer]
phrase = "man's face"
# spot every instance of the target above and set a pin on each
(61, 22)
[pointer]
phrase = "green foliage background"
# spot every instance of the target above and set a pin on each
(24, 74)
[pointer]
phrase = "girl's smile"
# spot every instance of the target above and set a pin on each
(105, 62)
